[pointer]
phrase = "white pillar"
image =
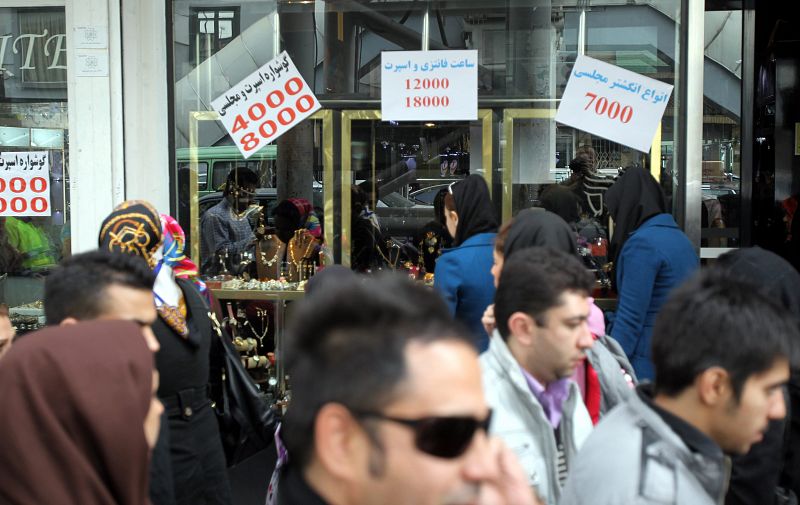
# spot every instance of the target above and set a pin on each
(95, 124)
(145, 86)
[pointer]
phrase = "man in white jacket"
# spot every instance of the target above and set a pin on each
(541, 309)
(722, 353)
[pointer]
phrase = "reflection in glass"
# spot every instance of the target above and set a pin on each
(721, 199)
(33, 117)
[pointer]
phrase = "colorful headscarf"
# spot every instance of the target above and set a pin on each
(175, 257)
(136, 227)
(133, 227)
(308, 219)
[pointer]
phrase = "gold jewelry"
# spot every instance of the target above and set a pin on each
(300, 235)
(391, 245)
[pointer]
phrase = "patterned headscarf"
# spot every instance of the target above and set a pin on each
(308, 219)
(175, 257)
(133, 227)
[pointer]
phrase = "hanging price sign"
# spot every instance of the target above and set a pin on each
(613, 103)
(429, 85)
(265, 105)
(25, 183)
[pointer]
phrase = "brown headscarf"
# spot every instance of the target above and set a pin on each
(71, 426)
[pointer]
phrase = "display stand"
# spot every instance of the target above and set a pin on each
(279, 297)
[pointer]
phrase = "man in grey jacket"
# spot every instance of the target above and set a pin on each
(722, 355)
(541, 309)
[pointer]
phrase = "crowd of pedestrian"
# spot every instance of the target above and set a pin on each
(503, 385)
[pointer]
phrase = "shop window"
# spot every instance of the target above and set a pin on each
(526, 52)
(34, 235)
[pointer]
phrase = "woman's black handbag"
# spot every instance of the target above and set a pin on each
(247, 422)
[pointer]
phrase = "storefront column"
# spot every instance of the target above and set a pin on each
(146, 118)
(95, 123)
(690, 104)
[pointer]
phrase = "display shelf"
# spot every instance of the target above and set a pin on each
(258, 294)
(279, 297)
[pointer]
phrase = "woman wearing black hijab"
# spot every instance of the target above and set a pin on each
(650, 254)
(772, 466)
(539, 228)
(463, 273)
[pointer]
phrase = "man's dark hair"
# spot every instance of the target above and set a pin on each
(77, 288)
(533, 280)
(241, 176)
(714, 320)
(347, 345)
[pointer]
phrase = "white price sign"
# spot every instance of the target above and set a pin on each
(613, 103)
(429, 85)
(266, 104)
(25, 183)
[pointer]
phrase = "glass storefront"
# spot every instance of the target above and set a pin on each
(34, 230)
(722, 130)
(526, 49)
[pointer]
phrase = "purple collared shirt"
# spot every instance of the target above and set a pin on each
(551, 398)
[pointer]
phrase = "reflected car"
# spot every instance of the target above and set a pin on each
(402, 217)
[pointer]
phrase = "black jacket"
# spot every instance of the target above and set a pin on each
(199, 475)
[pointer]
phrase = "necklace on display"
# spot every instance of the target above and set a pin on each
(274, 259)
(264, 326)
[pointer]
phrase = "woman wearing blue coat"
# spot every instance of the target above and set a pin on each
(463, 273)
(651, 256)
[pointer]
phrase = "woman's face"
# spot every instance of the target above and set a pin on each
(497, 267)
(451, 218)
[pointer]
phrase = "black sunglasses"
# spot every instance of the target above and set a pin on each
(443, 437)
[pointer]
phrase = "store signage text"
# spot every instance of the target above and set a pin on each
(429, 85)
(265, 105)
(54, 48)
(25, 183)
(613, 103)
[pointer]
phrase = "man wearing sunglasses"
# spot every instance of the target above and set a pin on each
(387, 404)
(721, 352)
(541, 309)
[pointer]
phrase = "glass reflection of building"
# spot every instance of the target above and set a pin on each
(724, 152)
